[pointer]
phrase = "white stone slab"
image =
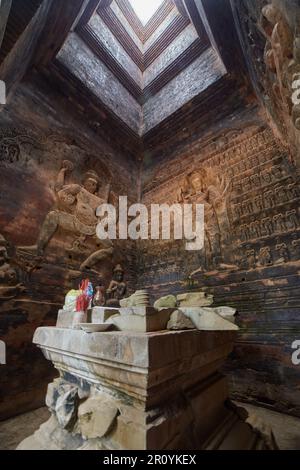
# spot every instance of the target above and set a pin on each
(68, 319)
(101, 314)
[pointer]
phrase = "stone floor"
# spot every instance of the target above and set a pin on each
(14, 430)
(286, 428)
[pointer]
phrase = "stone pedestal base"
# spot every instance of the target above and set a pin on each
(136, 391)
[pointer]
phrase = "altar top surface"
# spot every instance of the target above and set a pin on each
(145, 350)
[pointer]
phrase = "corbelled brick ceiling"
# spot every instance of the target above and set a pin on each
(139, 73)
(145, 10)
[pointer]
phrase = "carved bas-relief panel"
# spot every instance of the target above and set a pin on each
(251, 199)
(9, 286)
(75, 212)
(56, 210)
(265, 208)
(52, 179)
(203, 187)
(270, 36)
(250, 261)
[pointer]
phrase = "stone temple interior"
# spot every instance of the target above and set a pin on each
(169, 102)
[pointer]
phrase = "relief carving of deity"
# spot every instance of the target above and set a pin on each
(75, 212)
(202, 187)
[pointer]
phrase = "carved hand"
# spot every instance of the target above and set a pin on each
(67, 166)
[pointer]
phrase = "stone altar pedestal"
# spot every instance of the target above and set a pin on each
(131, 391)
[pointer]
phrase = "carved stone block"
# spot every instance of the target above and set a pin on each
(158, 391)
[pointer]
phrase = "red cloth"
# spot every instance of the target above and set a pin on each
(83, 300)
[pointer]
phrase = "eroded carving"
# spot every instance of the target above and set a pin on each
(117, 288)
(12, 145)
(267, 226)
(265, 257)
(283, 253)
(75, 212)
(269, 199)
(279, 223)
(9, 286)
(251, 259)
(201, 187)
(259, 203)
(292, 219)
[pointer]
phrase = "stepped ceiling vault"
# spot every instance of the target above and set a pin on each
(136, 75)
(124, 67)
(145, 10)
(129, 66)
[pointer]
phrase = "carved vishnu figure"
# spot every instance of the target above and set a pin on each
(75, 211)
(200, 189)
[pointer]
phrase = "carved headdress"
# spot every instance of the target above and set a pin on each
(118, 269)
(91, 174)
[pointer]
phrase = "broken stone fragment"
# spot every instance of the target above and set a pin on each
(224, 312)
(206, 319)
(139, 299)
(179, 321)
(195, 299)
(228, 313)
(263, 429)
(169, 301)
(70, 319)
(140, 311)
(142, 319)
(50, 436)
(96, 417)
(62, 400)
(52, 394)
(66, 408)
(127, 322)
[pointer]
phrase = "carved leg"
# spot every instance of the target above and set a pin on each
(48, 229)
(216, 249)
(96, 257)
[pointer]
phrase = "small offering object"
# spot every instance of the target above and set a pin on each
(99, 297)
(84, 300)
(70, 300)
(139, 299)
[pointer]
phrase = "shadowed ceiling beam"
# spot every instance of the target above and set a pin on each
(61, 19)
(5, 6)
(219, 23)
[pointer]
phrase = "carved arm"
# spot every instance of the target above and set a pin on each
(60, 180)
